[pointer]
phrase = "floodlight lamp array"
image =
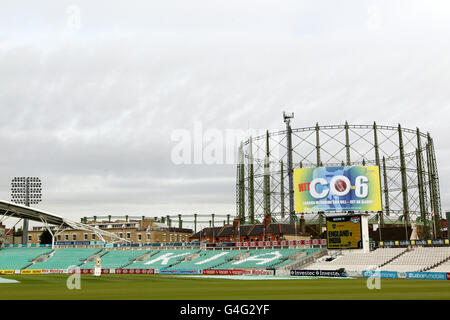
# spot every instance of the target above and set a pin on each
(26, 190)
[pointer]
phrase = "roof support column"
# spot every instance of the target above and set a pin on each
(317, 145)
(195, 223)
(377, 162)
(251, 185)
(347, 143)
(241, 185)
(386, 189)
(282, 189)
(403, 175)
(290, 169)
(420, 181)
(267, 178)
(434, 188)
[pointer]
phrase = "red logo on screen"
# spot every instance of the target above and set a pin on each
(303, 186)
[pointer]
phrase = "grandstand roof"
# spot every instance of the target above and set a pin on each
(9, 209)
(228, 231)
(256, 229)
(173, 229)
(18, 211)
(208, 232)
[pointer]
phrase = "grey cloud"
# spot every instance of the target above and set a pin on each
(92, 112)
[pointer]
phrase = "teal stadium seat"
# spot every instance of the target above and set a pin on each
(208, 260)
(19, 258)
(65, 257)
(116, 259)
(163, 259)
(287, 261)
(266, 258)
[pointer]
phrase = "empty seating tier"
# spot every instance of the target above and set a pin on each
(435, 259)
(209, 259)
(357, 260)
(265, 259)
(418, 259)
(64, 258)
(162, 259)
(444, 267)
(115, 259)
(19, 258)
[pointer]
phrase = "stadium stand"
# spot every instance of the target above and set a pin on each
(433, 259)
(418, 259)
(64, 258)
(294, 257)
(20, 258)
(208, 259)
(115, 259)
(443, 267)
(267, 258)
(163, 259)
(357, 261)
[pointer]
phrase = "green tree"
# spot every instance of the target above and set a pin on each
(46, 237)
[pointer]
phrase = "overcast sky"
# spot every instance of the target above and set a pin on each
(91, 92)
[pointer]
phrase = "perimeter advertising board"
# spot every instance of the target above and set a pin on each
(180, 271)
(344, 232)
(7, 272)
(318, 273)
(337, 189)
(31, 271)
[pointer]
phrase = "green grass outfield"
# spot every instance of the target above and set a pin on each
(163, 287)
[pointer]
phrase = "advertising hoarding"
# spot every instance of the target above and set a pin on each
(344, 232)
(337, 189)
(318, 273)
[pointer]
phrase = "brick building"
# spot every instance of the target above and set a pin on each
(145, 230)
(250, 233)
(6, 235)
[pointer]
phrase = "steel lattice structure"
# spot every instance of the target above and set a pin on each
(179, 220)
(406, 158)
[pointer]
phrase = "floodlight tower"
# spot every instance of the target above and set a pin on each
(26, 191)
(287, 119)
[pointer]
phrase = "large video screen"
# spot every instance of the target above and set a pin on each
(344, 232)
(337, 189)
